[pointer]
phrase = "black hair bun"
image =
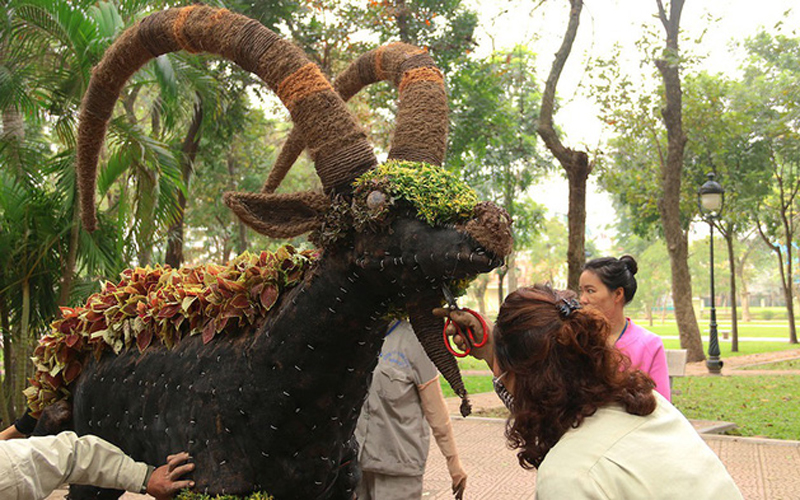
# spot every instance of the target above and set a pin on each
(630, 263)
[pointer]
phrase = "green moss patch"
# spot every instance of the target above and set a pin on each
(190, 495)
(438, 196)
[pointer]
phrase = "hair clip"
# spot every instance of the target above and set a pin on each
(567, 306)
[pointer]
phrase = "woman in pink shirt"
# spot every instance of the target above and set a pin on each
(609, 285)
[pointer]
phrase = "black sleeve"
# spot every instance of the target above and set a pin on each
(26, 423)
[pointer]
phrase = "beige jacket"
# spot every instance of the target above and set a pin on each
(616, 455)
(33, 468)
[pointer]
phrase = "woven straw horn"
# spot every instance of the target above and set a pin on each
(422, 121)
(337, 145)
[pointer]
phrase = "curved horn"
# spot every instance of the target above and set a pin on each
(422, 122)
(338, 146)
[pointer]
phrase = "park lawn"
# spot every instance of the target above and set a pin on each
(475, 384)
(764, 406)
(789, 364)
(470, 363)
(745, 347)
(779, 329)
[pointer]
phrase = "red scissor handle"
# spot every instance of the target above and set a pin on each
(469, 338)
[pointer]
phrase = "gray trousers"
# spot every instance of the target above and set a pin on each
(375, 486)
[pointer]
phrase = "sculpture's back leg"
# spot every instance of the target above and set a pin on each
(349, 473)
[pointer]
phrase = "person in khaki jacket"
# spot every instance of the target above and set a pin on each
(404, 404)
(31, 469)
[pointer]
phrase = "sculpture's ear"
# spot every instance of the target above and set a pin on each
(279, 215)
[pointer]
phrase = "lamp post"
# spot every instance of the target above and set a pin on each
(710, 197)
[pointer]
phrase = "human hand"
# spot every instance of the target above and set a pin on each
(467, 320)
(165, 481)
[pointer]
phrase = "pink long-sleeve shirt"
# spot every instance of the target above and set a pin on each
(646, 351)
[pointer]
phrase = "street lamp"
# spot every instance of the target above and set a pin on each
(710, 197)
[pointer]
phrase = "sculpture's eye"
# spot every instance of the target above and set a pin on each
(376, 200)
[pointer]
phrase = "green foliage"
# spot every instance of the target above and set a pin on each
(161, 303)
(191, 495)
(475, 384)
(547, 252)
(444, 27)
(437, 195)
(493, 141)
(760, 405)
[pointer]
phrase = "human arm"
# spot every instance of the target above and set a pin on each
(10, 432)
(39, 465)
(23, 427)
(659, 371)
(435, 411)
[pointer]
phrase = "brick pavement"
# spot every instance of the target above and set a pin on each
(763, 469)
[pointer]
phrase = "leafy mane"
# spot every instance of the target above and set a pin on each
(162, 303)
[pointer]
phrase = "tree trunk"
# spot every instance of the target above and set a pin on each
(787, 216)
(734, 320)
(747, 317)
(68, 272)
(501, 275)
(578, 174)
(191, 143)
(22, 352)
(669, 204)
(786, 285)
(8, 354)
(575, 163)
(511, 262)
(13, 124)
(479, 292)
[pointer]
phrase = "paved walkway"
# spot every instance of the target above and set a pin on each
(764, 469)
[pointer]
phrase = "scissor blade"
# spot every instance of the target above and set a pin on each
(449, 297)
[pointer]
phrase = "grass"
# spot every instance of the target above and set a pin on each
(778, 329)
(475, 384)
(765, 406)
(745, 348)
(470, 363)
(790, 364)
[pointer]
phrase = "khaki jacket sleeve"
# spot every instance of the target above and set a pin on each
(435, 410)
(33, 468)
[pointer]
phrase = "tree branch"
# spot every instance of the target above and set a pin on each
(662, 15)
(545, 125)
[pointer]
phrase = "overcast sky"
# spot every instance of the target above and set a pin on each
(603, 24)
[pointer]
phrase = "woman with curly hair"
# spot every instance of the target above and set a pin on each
(593, 430)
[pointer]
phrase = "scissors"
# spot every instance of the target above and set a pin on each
(467, 334)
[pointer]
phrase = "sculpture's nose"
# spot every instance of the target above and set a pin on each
(491, 227)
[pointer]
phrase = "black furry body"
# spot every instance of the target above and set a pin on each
(274, 411)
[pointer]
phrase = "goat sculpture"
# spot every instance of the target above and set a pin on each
(272, 406)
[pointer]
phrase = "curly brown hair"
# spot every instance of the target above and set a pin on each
(564, 369)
